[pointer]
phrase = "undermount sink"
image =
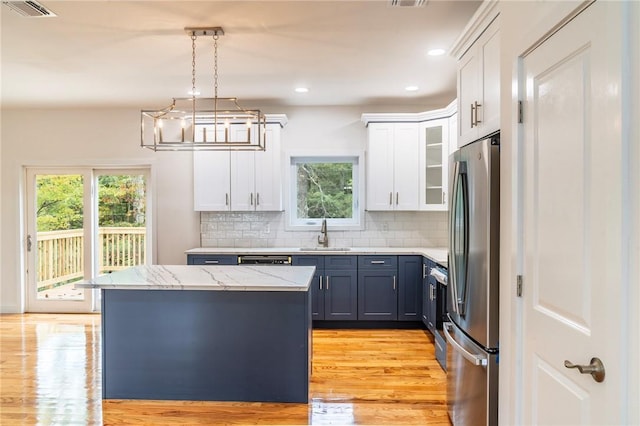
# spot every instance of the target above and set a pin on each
(325, 248)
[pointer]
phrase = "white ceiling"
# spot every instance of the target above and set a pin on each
(136, 53)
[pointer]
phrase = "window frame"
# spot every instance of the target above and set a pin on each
(293, 223)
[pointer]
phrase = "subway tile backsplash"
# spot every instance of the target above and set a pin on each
(267, 229)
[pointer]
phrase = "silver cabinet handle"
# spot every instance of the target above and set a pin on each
(327, 282)
(473, 108)
(226, 199)
(377, 262)
(211, 262)
(251, 199)
(394, 283)
(391, 198)
(443, 197)
(397, 196)
(424, 270)
(320, 282)
(476, 110)
(474, 359)
(257, 198)
(595, 368)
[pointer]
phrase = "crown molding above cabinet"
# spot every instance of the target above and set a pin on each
(410, 117)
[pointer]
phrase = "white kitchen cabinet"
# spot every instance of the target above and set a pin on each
(240, 180)
(434, 153)
(479, 86)
(256, 183)
(212, 180)
(392, 166)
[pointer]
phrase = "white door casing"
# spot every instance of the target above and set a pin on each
(572, 223)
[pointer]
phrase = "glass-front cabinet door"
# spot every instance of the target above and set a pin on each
(434, 142)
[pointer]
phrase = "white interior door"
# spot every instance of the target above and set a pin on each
(572, 224)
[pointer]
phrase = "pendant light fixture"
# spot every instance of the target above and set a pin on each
(203, 124)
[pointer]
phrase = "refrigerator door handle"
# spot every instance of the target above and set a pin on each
(460, 169)
(452, 232)
(473, 358)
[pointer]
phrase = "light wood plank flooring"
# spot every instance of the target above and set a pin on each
(50, 373)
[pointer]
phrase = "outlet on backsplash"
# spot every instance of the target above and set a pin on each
(267, 229)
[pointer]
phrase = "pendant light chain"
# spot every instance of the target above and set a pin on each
(193, 64)
(215, 65)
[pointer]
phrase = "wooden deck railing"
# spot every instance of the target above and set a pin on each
(61, 253)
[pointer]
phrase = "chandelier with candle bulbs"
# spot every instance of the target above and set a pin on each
(203, 124)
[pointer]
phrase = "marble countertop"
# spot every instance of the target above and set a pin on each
(206, 277)
(438, 255)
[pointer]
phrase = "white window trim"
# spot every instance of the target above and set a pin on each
(356, 224)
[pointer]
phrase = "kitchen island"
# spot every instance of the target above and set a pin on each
(218, 333)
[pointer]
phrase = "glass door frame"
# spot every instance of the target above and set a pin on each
(90, 302)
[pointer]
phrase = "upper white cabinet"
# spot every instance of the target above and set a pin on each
(407, 159)
(256, 183)
(392, 166)
(240, 180)
(478, 53)
(434, 153)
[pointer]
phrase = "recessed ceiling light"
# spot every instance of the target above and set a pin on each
(302, 89)
(411, 88)
(436, 52)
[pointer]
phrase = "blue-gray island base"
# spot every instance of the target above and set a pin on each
(229, 345)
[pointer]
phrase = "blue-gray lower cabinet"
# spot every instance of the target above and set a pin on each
(317, 285)
(427, 292)
(377, 295)
(206, 345)
(212, 259)
(377, 288)
(341, 294)
(409, 288)
(334, 293)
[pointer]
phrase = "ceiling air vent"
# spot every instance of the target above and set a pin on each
(408, 3)
(29, 9)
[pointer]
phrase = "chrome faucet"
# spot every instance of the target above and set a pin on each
(323, 239)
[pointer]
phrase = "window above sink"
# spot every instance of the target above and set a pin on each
(325, 187)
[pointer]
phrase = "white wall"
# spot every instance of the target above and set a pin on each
(102, 137)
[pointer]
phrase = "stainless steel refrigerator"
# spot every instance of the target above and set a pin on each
(472, 330)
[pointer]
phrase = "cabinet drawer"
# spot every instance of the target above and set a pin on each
(340, 262)
(317, 261)
(211, 259)
(377, 262)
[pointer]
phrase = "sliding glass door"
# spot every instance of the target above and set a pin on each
(81, 222)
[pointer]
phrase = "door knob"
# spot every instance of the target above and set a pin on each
(595, 368)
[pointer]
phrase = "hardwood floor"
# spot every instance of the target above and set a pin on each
(50, 373)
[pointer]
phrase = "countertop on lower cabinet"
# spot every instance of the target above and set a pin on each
(437, 254)
(206, 277)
